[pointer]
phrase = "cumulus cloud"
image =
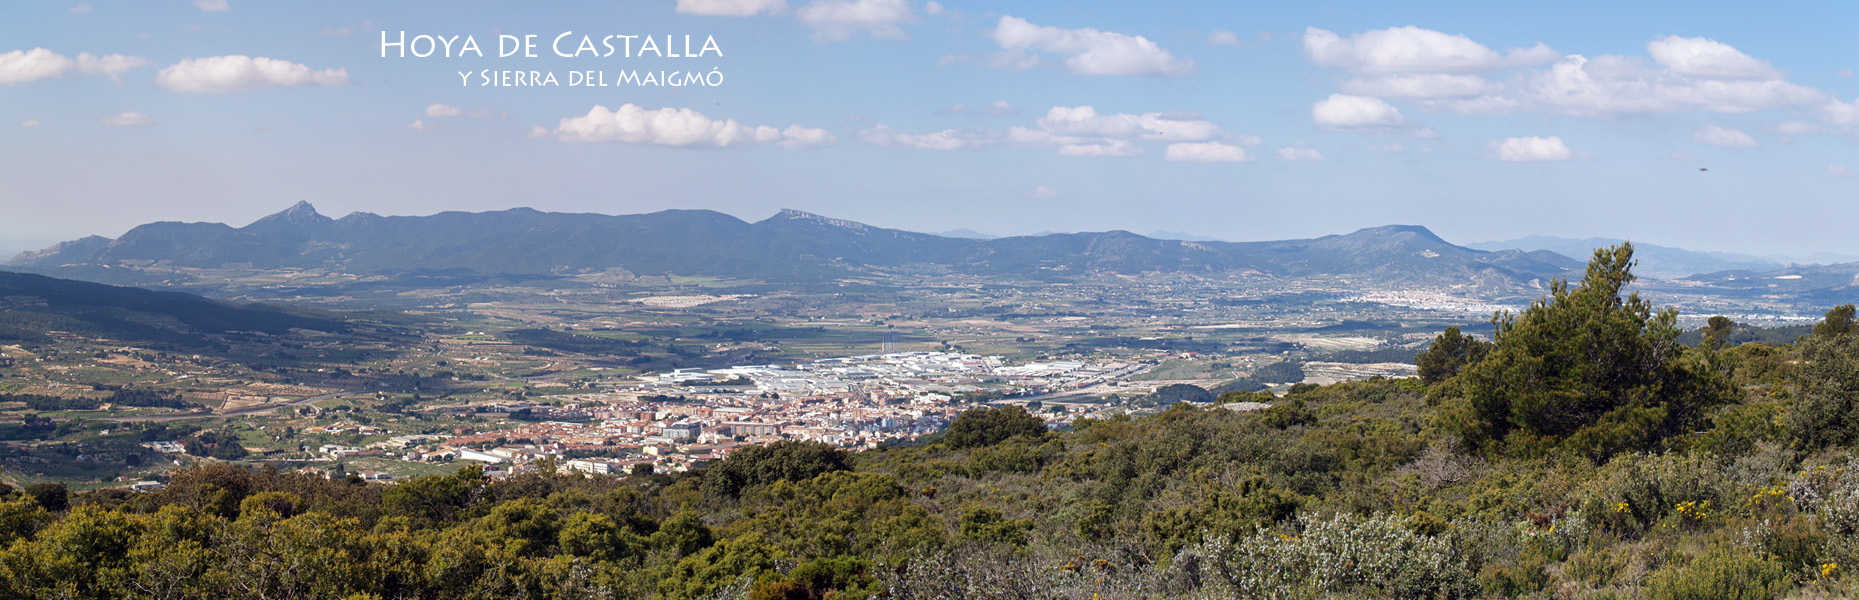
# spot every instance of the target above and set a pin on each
(1833, 111)
(236, 72)
(1343, 111)
(1086, 121)
(1527, 149)
(81, 8)
(838, 20)
(126, 119)
(1452, 73)
(441, 111)
(1422, 85)
(1084, 51)
(1044, 193)
(1715, 135)
(1222, 37)
(213, 5)
(20, 66)
(1075, 131)
(419, 126)
(1414, 50)
(1103, 148)
(29, 123)
(1839, 171)
(1707, 58)
(1206, 152)
(113, 65)
(682, 127)
(1299, 153)
(947, 139)
(1608, 86)
(731, 8)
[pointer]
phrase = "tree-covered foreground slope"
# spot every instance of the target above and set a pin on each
(1583, 453)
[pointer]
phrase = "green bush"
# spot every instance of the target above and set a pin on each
(1721, 573)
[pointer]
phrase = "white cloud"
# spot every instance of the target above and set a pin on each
(1583, 87)
(1104, 148)
(1342, 111)
(1085, 51)
(1684, 157)
(1002, 108)
(1788, 128)
(1839, 171)
(81, 8)
(126, 118)
(796, 137)
(1222, 37)
(1716, 135)
(682, 127)
(1085, 121)
(1437, 71)
(440, 111)
(1206, 152)
(1413, 50)
(20, 66)
(1299, 153)
(1044, 193)
(1833, 111)
(948, 139)
(1523, 149)
(1707, 58)
(113, 65)
(1424, 85)
(838, 20)
(1076, 131)
(239, 72)
(731, 8)
(29, 123)
(933, 8)
(213, 5)
(420, 126)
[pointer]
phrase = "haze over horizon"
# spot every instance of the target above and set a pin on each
(1205, 119)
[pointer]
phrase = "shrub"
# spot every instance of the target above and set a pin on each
(1721, 573)
(988, 426)
(1345, 554)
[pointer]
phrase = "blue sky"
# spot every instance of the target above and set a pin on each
(1480, 120)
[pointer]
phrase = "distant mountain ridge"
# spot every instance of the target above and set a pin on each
(790, 246)
(35, 307)
(1664, 262)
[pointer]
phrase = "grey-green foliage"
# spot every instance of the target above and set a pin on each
(1378, 556)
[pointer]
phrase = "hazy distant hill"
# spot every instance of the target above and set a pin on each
(33, 306)
(790, 246)
(1818, 285)
(1663, 262)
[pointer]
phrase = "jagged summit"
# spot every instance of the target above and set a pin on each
(298, 215)
(789, 214)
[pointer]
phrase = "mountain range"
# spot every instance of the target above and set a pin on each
(34, 306)
(1663, 262)
(791, 246)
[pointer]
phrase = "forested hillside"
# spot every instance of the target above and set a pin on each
(1584, 453)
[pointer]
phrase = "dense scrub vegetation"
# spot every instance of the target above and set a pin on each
(1583, 453)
